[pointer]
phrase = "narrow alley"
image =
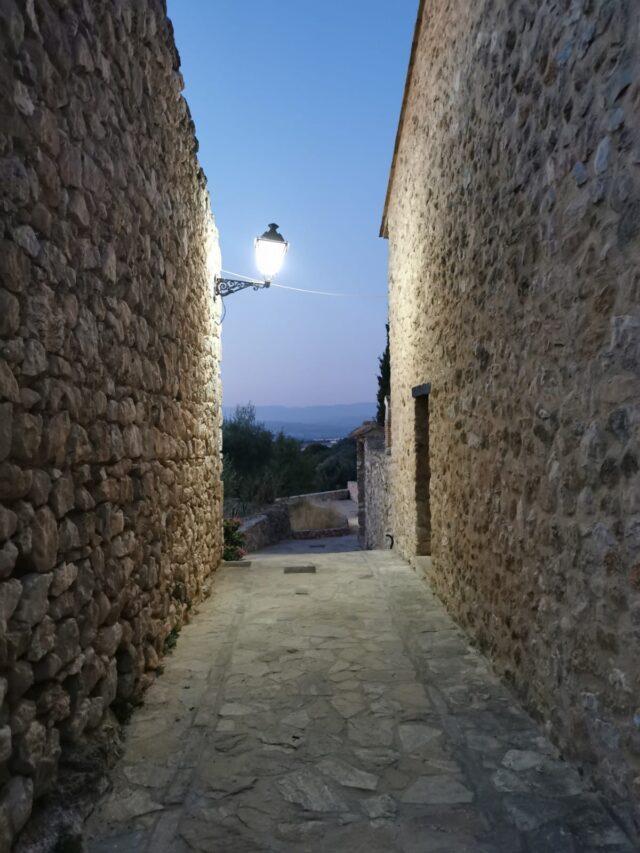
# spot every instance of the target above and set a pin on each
(326, 702)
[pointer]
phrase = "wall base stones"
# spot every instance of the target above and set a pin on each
(514, 237)
(57, 820)
(109, 393)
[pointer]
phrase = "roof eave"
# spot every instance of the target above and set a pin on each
(384, 229)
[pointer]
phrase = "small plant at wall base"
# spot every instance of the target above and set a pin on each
(233, 540)
(171, 639)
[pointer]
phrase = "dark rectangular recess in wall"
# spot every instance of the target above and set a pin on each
(421, 390)
(300, 570)
(422, 470)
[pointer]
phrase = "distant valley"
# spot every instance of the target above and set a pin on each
(312, 423)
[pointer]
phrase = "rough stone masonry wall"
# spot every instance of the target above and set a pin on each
(377, 497)
(514, 229)
(109, 463)
(373, 487)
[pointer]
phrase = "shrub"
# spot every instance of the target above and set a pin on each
(234, 541)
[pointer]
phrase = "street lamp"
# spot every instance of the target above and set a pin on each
(271, 247)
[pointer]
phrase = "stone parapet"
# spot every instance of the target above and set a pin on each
(268, 528)
(314, 497)
(322, 532)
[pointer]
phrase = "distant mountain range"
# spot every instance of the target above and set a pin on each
(312, 423)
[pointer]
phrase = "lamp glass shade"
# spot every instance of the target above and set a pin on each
(271, 248)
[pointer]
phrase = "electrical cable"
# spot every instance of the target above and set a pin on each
(237, 275)
(224, 312)
(329, 293)
(303, 290)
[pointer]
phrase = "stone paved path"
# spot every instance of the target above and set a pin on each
(343, 712)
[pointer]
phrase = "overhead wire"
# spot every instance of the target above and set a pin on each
(242, 277)
(330, 293)
(304, 290)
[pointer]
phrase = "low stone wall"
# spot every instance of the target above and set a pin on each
(273, 525)
(110, 520)
(322, 533)
(336, 495)
(268, 528)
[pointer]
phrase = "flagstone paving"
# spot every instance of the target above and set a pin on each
(338, 711)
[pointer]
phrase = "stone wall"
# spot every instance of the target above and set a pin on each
(373, 489)
(109, 393)
(334, 495)
(269, 527)
(322, 532)
(514, 235)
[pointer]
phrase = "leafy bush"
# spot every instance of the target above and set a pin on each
(234, 541)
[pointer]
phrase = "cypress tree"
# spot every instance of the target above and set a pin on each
(384, 379)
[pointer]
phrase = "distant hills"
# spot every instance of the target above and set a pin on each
(312, 423)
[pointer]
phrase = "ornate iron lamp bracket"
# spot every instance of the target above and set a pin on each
(227, 286)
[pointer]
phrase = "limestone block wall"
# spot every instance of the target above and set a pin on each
(109, 394)
(514, 236)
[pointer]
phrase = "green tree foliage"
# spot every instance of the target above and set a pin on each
(293, 470)
(317, 451)
(259, 466)
(247, 448)
(338, 467)
(384, 380)
(246, 442)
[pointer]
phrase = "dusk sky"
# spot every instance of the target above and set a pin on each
(296, 105)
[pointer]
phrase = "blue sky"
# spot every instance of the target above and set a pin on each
(296, 105)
